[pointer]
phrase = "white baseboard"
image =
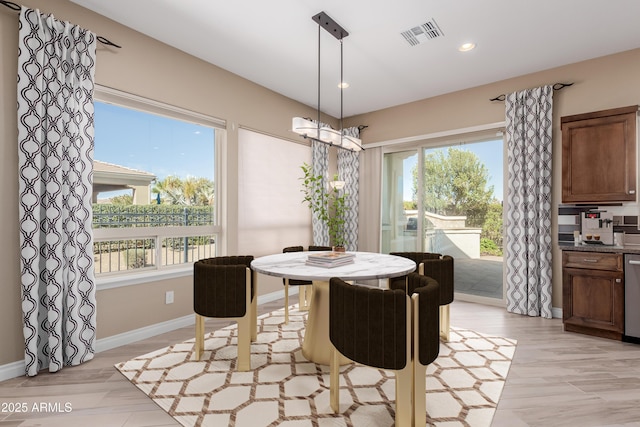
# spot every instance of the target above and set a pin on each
(16, 369)
(12, 370)
(274, 296)
(135, 335)
(556, 312)
(168, 326)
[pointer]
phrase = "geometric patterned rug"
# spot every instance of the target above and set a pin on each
(283, 389)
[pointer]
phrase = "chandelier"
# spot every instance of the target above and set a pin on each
(314, 131)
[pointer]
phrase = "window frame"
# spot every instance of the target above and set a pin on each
(133, 277)
(450, 138)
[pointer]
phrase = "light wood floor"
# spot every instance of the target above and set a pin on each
(556, 379)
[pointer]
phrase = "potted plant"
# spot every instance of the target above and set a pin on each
(329, 206)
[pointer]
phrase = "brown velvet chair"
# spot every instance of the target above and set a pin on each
(439, 267)
(304, 289)
(371, 326)
(226, 287)
(425, 303)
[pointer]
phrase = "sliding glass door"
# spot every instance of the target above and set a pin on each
(448, 200)
(399, 213)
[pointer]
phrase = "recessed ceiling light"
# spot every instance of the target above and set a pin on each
(343, 85)
(466, 47)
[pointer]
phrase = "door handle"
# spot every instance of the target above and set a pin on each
(634, 262)
(592, 260)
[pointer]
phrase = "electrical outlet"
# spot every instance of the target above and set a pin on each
(168, 297)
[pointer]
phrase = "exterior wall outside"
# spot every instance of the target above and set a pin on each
(141, 195)
(456, 242)
(449, 235)
(148, 68)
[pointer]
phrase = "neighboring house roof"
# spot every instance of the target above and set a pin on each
(111, 177)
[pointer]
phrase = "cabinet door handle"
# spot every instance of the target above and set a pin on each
(589, 260)
(634, 262)
(632, 191)
(618, 280)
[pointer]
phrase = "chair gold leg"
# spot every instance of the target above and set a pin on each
(286, 300)
(334, 380)
(419, 394)
(254, 319)
(445, 322)
(199, 346)
(404, 394)
(244, 343)
(253, 304)
(303, 298)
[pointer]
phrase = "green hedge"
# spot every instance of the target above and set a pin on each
(123, 216)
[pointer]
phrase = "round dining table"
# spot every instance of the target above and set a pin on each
(316, 346)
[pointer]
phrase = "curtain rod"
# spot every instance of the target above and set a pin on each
(17, 7)
(556, 86)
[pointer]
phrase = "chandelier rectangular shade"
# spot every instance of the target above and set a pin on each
(312, 130)
(324, 134)
(305, 127)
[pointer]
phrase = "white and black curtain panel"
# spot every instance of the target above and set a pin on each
(56, 65)
(349, 172)
(528, 217)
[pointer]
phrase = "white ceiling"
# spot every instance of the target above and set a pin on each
(274, 43)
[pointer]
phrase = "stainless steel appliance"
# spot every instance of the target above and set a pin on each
(597, 227)
(631, 298)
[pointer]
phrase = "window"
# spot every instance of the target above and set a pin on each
(446, 197)
(154, 186)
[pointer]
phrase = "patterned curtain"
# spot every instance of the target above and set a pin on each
(320, 166)
(56, 64)
(349, 172)
(528, 217)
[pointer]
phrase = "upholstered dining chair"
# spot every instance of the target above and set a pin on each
(440, 267)
(425, 304)
(226, 287)
(371, 326)
(304, 286)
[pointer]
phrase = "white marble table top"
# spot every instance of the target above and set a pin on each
(367, 265)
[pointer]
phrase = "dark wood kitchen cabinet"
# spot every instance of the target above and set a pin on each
(599, 156)
(593, 293)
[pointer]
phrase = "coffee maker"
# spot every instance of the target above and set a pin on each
(597, 227)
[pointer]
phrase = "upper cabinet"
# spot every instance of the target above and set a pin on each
(599, 156)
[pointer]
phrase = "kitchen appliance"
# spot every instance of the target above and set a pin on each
(631, 298)
(597, 227)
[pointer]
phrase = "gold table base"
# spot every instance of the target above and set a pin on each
(316, 346)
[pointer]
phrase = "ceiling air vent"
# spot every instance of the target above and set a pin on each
(420, 34)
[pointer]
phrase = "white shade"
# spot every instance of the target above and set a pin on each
(309, 129)
(352, 143)
(304, 127)
(338, 185)
(330, 136)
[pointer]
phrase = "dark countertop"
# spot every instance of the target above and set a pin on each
(626, 249)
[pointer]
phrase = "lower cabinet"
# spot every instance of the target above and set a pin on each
(593, 293)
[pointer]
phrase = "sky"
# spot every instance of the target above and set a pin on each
(165, 146)
(489, 153)
(153, 143)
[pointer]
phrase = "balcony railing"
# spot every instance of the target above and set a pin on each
(119, 255)
(128, 238)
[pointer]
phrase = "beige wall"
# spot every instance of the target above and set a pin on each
(599, 84)
(151, 69)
